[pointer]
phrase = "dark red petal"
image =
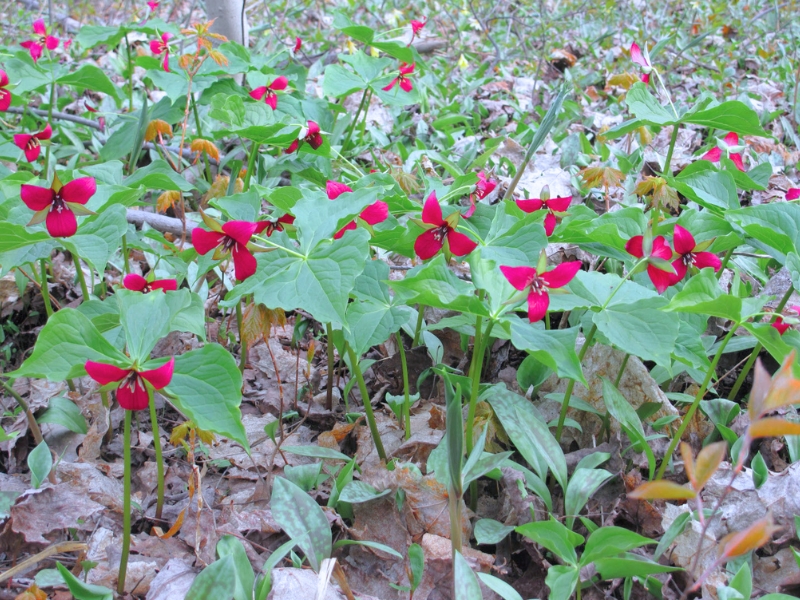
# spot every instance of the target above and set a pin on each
(426, 245)
(315, 141)
(3, 78)
(45, 134)
(712, 155)
(297, 44)
(519, 277)
(375, 213)
(61, 223)
(279, 84)
(32, 153)
(406, 84)
(35, 197)
(349, 227)
(406, 69)
(258, 93)
(432, 212)
(244, 263)
(559, 204)
(780, 325)
(737, 160)
(134, 282)
(634, 246)
(645, 78)
(271, 100)
(562, 274)
(683, 240)
(531, 205)
(793, 194)
(79, 190)
(160, 377)
(661, 279)
(103, 373)
(5, 100)
(39, 28)
(537, 305)
(241, 231)
(313, 128)
(661, 249)
(390, 86)
(707, 259)
(334, 189)
(204, 240)
(732, 139)
(51, 42)
(293, 147)
(460, 244)
(136, 399)
(165, 62)
(21, 140)
(156, 47)
(549, 224)
(168, 285)
(287, 218)
(680, 271)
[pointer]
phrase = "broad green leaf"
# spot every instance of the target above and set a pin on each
(90, 36)
(264, 586)
(90, 77)
(316, 452)
(702, 295)
(710, 188)
(646, 107)
(728, 116)
(769, 337)
(81, 590)
(25, 76)
(158, 175)
(99, 237)
(145, 318)
(593, 289)
(64, 345)
(562, 581)
(555, 537)
(40, 462)
(376, 545)
(245, 578)
(217, 580)
(517, 245)
(630, 566)
(207, 388)
(14, 237)
(581, 486)
(489, 531)
(341, 82)
(318, 218)
(499, 587)
(303, 520)
(357, 492)
(555, 347)
(610, 541)
(464, 580)
(367, 67)
(370, 323)
(620, 409)
(772, 227)
(62, 411)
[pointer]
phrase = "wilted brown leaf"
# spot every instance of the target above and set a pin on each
(202, 145)
(32, 593)
(742, 542)
(623, 80)
(656, 187)
(604, 177)
(258, 320)
(662, 490)
(155, 128)
(167, 200)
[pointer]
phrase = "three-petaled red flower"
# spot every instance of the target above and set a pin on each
(267, 92)
(5, 95)
(100, 120)
(660, 250)
(402, 78)
(58, 204)
(137, 283)
(780, 325)
(29, 142)
(537, 284)
(40, 40)
(153, 5)
(375, 213)
(416, 27)
(132, 391)
(440, 231)
(312, 136)
(793, 194)
(272, 226)
(732, 148)
(643, 60)
(231, 238)
(691, 254)
(552, 205)
(161, 46)
(298, 43)
(483, 188)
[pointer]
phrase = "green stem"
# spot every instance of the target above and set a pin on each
(418, 328)
(159, 456)
(695, 403)
(331, 361)
(407, 401)
(48, 307)
(81, 277)
(570, 386)
(126, 505)
(475, 368)
(363, 127)
(251, 165)
(362, 386)
(107, 406)
(672, 140)
(126, 267)
(724, 263)
(242, 340)
(757, 349)
(130, 75)
(196, 117)
(49, 121)
(32, 424)
(355, 120)
(621, 370)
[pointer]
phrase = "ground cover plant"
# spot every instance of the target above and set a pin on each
(393, 301)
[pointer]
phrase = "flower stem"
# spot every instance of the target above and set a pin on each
(126, 505)
(331, 362)
(695, 403)
(724, 263)
(48, 307)
(621, 370)
(672, 140)
(81, 277)
(251, 163)
(418, 328)
(562, 416)
(362, 387)
(130, 74)
(159, 456)
(125, 266)
(757, 349)
(355, 119)
(242, 340)
(407, 401)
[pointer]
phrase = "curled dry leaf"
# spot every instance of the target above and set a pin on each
(769, 394)
(742, 542)
(156, 128)
(662, 490)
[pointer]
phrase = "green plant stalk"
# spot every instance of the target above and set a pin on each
(159, 455)
(130, 74)
(251, 165)
(455, 456)
(695, 403)
(49, 121)
(32, 424)
(407, 401)
(418, 327)
(724, 263)
(672, 140)
(475, 369)
(196, 117)
(48, 307)
(126, 505)
(81, 277)
(355, 119)
(621, 370)
(757, 349)
(126, 267)
(363, 127)
(331, 362)
(362, 386)
(242, 340)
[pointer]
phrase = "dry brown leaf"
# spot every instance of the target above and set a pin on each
(207, 146)
(662, 490)
(167, 200)
(32, 593)
(258, 320)
(742, 542)
(604, 177)
(156, 128)
(656, 187)
(623, 80)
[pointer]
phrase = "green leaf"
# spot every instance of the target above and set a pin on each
(368, 544)
(40, 462)
(772, 227)
(24, 76)
(264, 586)
(628, 418)
(64, 345)
(90, 36)
(677, 528)
(466, 584)
(316, 452)
(760, 471)
(357, 492)
(317, 218)
(646, 107)
(13, 237)
(702, 295)
(158, 175)
(489, 531)
(99, 237)
(370, 323)
(217, 580)
(554, 348)
(561, 580)
(90, 77)
(742, 582)
(630, 566)
(62, 411)
(135, 310)
(710, 188)
(229, 546)
(499, 587)
(581, 486)
(416, 560)
(81, 590)
(341, 82)
(367, 67)
(608, 542)
(555, 537)
(207, 388)
(303, 520)
(728, 116)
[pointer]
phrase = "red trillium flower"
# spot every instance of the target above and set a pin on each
(137, 283)
(57, 205)
(483, 188)
(375, 213)
(440, 231)
(267, 92)
(643, 60)
(161, 46)
(132, 392)
(153, 5)
(660, 250)
(275, 225)
(691, 254)
(298, 43)
(100, 120)
(29, 143)
(537, 284)
(312, 136)
(793, 194)
(416, 27)
(733, 149)
(552, 205)
(231, 238)
(402, 80)
(780, 325)
(5, 95)
(334, 189)
(40, 40)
